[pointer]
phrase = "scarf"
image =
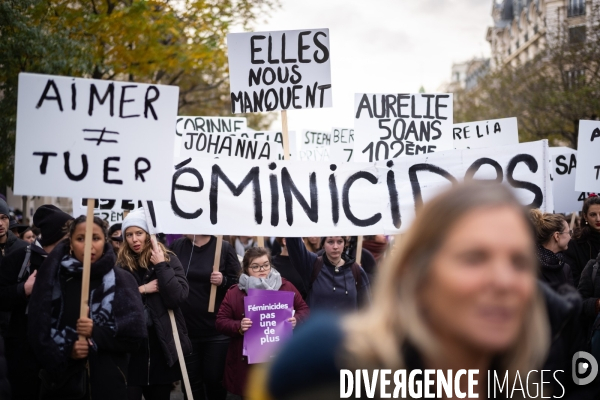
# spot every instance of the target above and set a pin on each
(101, 303)
(241, 248)
(271, 282)
(548, 259)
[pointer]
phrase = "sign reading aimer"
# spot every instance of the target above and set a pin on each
(88, 138)
(279, 70)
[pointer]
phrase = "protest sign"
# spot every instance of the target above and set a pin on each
(342, 145)
(112, 211)
(224, 125)
(587, 177)
(492, 133)
(89, 138)
(313, 138)
(269, 312)
(279, 70)
(261, 198)
(215, 145)
(314, 153)
(388, 126)
(562, 175)
(274, 137)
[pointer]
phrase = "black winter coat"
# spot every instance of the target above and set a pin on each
(4, 385)
(5, 250)
(108, 359)
(590, 291)
(581, 251)
(160, 349)
(554, 271)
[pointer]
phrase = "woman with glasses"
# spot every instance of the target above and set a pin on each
(552, 236)
(257, 273)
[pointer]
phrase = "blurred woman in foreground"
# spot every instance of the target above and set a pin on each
(460, 293)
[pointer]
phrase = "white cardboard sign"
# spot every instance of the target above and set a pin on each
(388, 126)
(279, 70)
(274, 137)
(224, 125)
(214, 145)
(342, 145)
(287, 198)
(562, 174)
(492, 133)
(89, 138)
(587, 178)
(112, 211)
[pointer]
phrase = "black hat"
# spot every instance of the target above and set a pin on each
(51, 221)
(13, 224)
(4, 208)
(113, 229)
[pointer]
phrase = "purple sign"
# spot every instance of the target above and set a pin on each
(269, 311)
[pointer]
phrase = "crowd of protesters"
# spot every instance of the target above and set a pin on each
(477, 282)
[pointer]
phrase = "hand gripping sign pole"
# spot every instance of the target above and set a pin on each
(150, 220)
(87, 262)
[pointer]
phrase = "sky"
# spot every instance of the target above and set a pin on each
(384, 46)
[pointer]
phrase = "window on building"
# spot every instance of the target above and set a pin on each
(576, 8)
(575, 78)
(577, 34)
(526, 38)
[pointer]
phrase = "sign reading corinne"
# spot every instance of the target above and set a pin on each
(93, 138)
(280, 70)
(287, 198)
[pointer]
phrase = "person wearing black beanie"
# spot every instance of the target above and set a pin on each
(51, 220)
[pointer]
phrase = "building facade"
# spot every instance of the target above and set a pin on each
(522, 28)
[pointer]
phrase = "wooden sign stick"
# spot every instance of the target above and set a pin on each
(87, 262)
(216, 264)
(359, 246)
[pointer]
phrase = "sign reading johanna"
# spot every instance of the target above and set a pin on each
(279, 70)
(223, 125)
(89, 138)
(388, 126)
(287, 198)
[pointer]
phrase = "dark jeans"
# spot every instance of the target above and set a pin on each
(206, 367)
(152, 392)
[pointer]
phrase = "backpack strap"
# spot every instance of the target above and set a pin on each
(317, 266)
(26, 264)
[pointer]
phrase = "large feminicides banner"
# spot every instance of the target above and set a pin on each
(279, 70)
(90, 138)
(387, 126)
(261, 198)
(587, 178)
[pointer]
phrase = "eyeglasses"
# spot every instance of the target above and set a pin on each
(570, 232)
(264, 267)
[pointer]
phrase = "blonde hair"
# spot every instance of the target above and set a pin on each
(546, 224)
(376, 337)
(130, 260)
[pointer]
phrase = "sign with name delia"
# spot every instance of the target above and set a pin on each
(388, 126)
(89, 138)
(293, 198)
(280, 70)
(495, 132)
